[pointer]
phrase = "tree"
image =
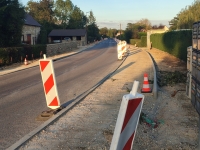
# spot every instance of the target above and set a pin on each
(91, 18)
(61, 15)
(111, 33)
(41, 11)
(32, 8)
(145, 23)
(77, 19)
(186, 17)
(133, 29)
(128, 35)
(63, 9)
(160, 26)
(103, 31)
(93, 32)
(12, 20)
(174, 23)
(42, 38)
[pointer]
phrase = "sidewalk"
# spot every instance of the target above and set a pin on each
(90, 124)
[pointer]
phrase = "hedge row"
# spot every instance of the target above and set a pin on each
(143, 41)
(135, 41)
(139, 42)
(140, 34)
(11, 55)
(174, 42)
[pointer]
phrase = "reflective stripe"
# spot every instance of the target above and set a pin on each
(145, 85)
(129, 128)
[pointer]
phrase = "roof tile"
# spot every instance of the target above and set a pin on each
(30, 21)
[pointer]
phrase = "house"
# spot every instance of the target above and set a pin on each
(59, 35)
(30, 31)
(160, 29)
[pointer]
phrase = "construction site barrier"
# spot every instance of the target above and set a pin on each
(49, 83)
(121, 49)
(127, 120)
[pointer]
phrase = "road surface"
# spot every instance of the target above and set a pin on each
(22, 96)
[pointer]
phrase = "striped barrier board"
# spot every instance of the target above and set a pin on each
(121, 49)
(49, 83)
(127, 120)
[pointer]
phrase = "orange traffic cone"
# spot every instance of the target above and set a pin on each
(146, 88)
(25, 62)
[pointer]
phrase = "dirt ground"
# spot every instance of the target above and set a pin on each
(175, 118)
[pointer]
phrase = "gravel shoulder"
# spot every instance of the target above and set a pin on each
(178, 128)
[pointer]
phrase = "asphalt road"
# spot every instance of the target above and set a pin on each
(22, 96)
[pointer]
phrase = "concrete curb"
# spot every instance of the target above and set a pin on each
(155, 85)
(30, 135)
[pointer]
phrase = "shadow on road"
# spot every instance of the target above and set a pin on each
(108, 76)
(123, 68)
(134, 52)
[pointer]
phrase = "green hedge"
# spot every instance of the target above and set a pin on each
(11, 55)
(143, 41)
(139, 42)
(34, 51)
(91, 39)
(140, 34)
(135, 41)
(174, 42)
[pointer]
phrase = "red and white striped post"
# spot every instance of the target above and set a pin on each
(49, 83)
(125, 44)
(124, 49)
(127, 120)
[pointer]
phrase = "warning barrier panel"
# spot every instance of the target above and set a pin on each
(127, 120)
(49, 83)
(121, 49)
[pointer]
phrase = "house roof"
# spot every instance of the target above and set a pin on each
(30, 21)
(68, 32)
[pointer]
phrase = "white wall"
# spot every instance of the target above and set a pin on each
(33, 30)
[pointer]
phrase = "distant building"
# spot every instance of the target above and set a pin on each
(143, 30)
(160, 29)
(119, 33)
(30, 31)
(59, 35)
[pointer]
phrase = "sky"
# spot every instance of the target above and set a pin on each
(113, 13)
